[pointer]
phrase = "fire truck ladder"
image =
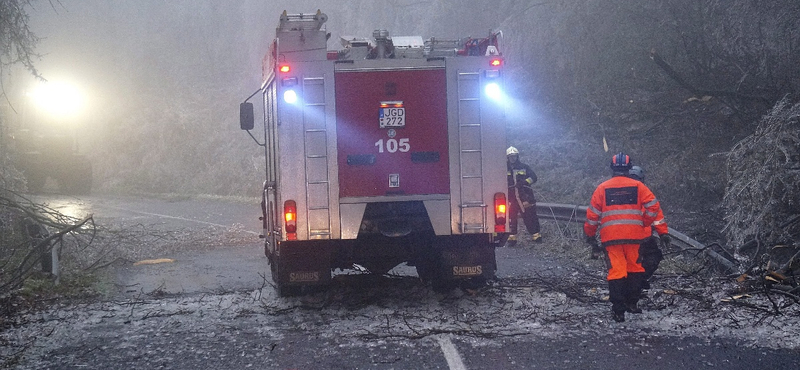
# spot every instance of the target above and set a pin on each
(472, 205)
(315, 136)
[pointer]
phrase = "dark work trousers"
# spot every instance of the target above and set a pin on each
(529, 216)
(651, 256)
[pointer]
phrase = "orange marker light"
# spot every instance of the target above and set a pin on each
(290, 216)
(496, 62)
(500, 212)
(284, 68)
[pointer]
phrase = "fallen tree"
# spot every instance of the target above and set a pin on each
(30, 234)
(761, 199)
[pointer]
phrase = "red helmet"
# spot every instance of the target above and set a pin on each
(620, 162)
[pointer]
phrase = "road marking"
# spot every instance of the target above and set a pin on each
(450, 353)
(174, 218)
(154, 262)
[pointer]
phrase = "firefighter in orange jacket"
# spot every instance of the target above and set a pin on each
(622, 210)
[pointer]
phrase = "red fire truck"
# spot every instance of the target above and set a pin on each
(388, 151)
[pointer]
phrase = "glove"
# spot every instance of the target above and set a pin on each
(666, 240)
(597, 250)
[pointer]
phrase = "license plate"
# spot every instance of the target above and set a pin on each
(392, 117)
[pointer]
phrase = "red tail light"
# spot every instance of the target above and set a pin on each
(290, 219)
(496, 62)
(500, 212)
(284, 68)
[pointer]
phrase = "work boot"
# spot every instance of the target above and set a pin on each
(645, 290)
(616, 295)
(633, 290)
(537, 237)
(633, 307)
(512, 240)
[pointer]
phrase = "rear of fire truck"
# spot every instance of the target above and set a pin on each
(388, 151)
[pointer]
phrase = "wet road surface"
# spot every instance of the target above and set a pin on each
(213, 307)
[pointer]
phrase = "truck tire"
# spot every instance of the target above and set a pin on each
(284, 290)
(431, 272)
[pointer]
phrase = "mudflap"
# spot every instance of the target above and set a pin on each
(467, 260)
(299, 264)
(467, 256)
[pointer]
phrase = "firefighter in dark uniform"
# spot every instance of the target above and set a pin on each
(621, 211)
(520, 197)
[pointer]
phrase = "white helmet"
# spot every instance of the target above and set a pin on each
(512, 151)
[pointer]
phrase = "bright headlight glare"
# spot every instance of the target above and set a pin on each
(290, 96)
(493, 91)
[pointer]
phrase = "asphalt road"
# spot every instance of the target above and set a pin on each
(214, 308)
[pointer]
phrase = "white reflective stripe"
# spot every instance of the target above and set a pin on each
(622, 222)
(651, 203)
(651, 214)
(659, 222)
(622, 212)
(590, 222)
(594, 210)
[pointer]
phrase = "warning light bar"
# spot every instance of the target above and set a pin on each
(284, 68)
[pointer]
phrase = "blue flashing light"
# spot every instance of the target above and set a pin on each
(493, 91)
(290, 96)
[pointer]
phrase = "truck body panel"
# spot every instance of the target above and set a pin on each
(394, 155)
(408, 157)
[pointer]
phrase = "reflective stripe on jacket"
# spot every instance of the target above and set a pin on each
(660, 224)
(622, 209)
(520, 173)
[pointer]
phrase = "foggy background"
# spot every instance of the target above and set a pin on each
(162, 81)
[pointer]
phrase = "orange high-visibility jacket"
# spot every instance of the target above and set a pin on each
(623, 209)
(660, 224)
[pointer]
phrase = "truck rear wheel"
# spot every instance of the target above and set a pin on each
(431, 271)
(284, 290)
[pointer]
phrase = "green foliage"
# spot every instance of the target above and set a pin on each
(72, 285)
